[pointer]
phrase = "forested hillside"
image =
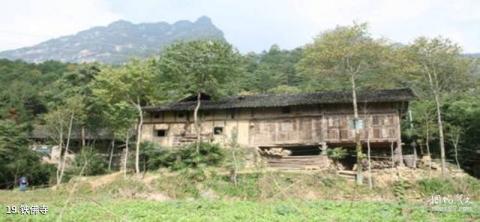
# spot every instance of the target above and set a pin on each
(66, 96)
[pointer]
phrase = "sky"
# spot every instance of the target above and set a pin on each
(250, 25)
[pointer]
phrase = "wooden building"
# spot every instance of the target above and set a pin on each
(296, 123)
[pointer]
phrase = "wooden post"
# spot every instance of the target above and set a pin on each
(398, 149)
(370, 184)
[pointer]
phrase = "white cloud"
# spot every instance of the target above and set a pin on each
(400, 21)
(27, 22)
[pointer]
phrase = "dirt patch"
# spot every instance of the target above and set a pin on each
(155, 196)
(149, 179)
(104, 180)
(385, 177)
(209, 194)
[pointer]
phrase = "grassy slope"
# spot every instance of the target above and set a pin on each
(102, 208)
(258, 197)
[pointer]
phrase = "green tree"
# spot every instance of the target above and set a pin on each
(424, 123)
(200, 67)
(77, 82)
(59, 122)
(119, 117)
(69, 109)
(462, 117)
(272, 71)
(22, 87)
(344, 55)
(133, 84)
(16, 157)
(438, 62)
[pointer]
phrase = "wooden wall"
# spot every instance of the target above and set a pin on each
(297, 125)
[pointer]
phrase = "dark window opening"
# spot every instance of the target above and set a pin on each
(232, 114)
(304, 150)
(156, 115)
(218, 130)
(181, 115)
(286, 110)
(161, 133)
(348, 161)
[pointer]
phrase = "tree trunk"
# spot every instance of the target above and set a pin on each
(111, 154)
(370, 184)
(410, 116)
(434, 87)
(139, 137)
(60, 157)
(455, 147)
(197, 122)
(62, 170)
(234, 172)
(414, 157)
(427, 144)
(127, 140)
(83, 136)
(358, 143)
(440, 134)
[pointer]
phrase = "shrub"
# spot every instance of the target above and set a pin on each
(43, 174)
(246, 188)
(337, 153)
(209, 154)
(436, 186)
(17, 159)
(399, 190)
(284, 210)
(154, 157)
(94, 162)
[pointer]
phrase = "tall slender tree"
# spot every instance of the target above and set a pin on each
(345, 54)
(133, 84)
(200, 67)
(438, 62)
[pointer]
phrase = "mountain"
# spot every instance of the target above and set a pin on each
(117, 42)
(473, 55)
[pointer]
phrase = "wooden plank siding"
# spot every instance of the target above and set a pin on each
(297, 130)
(273, 126)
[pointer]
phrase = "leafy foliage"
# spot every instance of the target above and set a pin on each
(90, 161)
(337, 153)
(154, 157)
(204, 66)
(336, 55)
(17, 159)
(273, 71)
(436, 186)
(108, 97)
(210, 154)
(23, 87)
